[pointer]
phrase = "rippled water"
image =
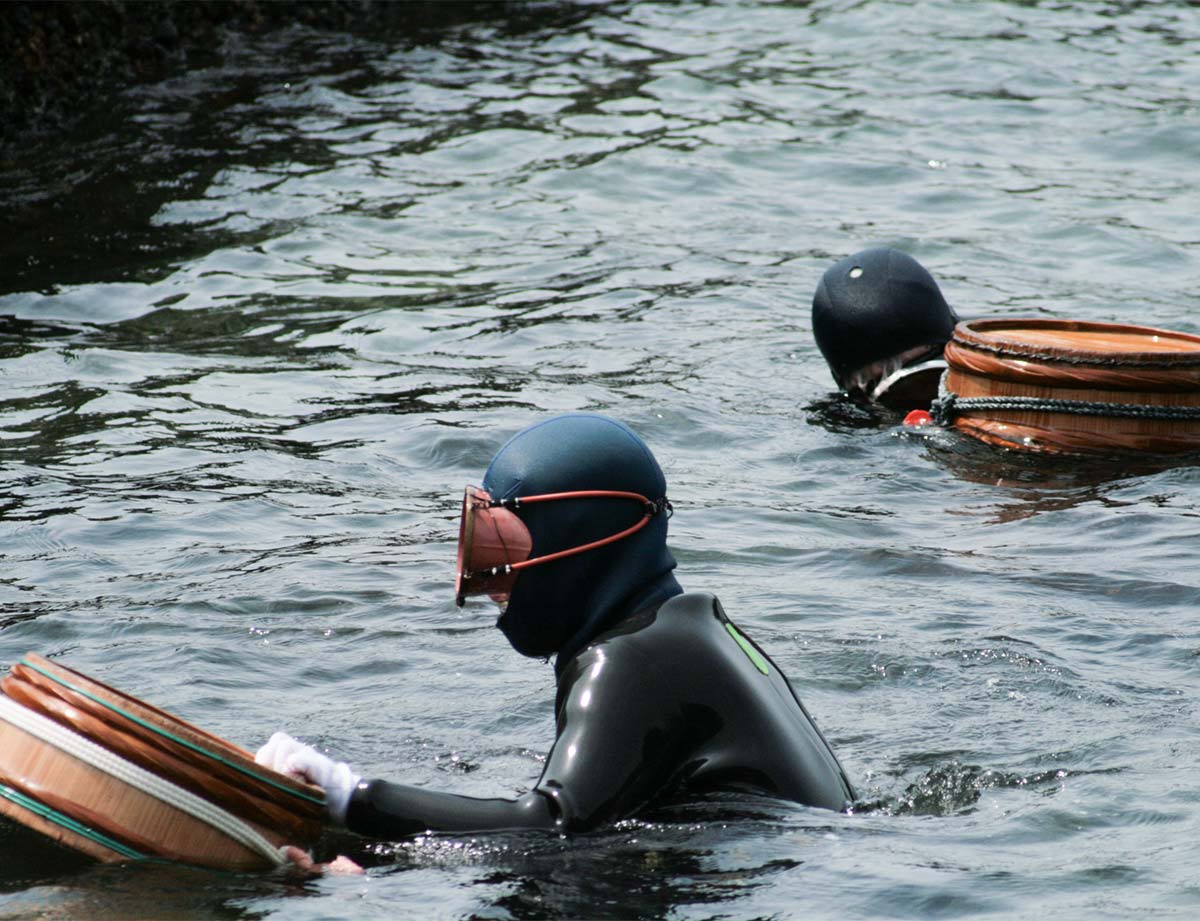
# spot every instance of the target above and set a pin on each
(259, 324)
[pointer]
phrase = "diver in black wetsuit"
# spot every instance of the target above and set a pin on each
(658, 691)
(881, 322)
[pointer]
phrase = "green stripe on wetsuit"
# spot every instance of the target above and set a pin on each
(748, 648)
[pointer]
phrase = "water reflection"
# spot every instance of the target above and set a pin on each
(60, 886)
(20, 336)
(88, 204)
(838, 414)
(1029, 484)
(1025, 484)
(688, 854)
(30, 859)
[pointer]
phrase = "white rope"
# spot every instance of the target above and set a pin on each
(140, 779)
(905, 371)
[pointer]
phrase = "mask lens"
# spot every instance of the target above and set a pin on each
(488, 538)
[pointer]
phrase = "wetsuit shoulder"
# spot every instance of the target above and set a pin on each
(681, 695)
(618, 729)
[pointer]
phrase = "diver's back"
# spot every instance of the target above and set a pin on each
(751, 730)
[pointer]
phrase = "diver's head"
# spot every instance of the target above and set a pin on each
(568, 533)
(881, 322)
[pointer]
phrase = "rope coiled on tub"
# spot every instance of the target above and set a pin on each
(102, 759)
(949, 404)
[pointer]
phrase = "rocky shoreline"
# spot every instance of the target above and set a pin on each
(58, 59)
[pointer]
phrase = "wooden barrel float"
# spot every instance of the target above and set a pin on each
(1073, 387)
(119, 780)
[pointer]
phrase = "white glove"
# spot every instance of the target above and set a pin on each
(290, 756)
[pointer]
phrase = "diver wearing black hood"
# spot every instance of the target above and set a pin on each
(881, 322)
(657, 690)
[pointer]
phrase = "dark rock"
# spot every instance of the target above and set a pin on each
(58, 59)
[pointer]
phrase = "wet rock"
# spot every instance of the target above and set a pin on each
(58, 59)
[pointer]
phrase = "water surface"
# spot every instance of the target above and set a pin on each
(260, 323)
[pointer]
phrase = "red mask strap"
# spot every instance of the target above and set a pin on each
(651, 509)
(502, 575)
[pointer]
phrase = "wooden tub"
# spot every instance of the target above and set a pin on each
(119, 780)
(1073, 387)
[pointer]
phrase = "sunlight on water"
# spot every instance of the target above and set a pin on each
(260, 324)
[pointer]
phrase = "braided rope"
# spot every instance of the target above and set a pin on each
(102, 759)
(948, 405)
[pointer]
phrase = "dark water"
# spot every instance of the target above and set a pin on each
(258, 326)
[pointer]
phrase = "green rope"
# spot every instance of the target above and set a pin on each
(65, 821)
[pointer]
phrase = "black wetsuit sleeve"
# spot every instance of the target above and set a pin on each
(617, 747)
(380, 809)
(621, 740)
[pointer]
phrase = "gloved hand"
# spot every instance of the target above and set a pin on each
(290, 756)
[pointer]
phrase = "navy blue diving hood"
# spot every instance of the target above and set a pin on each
(556, 609)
